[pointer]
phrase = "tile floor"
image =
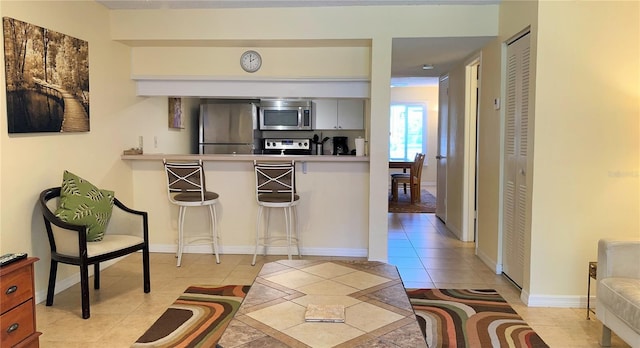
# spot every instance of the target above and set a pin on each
(426, 253)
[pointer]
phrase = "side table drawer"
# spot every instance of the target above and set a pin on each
(17, 324)
(16, 288)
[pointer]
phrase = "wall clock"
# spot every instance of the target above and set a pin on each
(250, 61)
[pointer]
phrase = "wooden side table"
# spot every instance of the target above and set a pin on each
(593, 270)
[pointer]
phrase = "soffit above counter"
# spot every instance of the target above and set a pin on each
(202, 86)
(327, 72)
(277, 43)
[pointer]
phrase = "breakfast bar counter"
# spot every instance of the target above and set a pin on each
(247, 157)
(333, 212)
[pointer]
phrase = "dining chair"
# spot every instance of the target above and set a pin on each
(276, 188)
(187, 188)
(412, 178)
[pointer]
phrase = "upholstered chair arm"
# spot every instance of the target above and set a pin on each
(64, 238)
(619, 259)
(51, 218)
(127, 221)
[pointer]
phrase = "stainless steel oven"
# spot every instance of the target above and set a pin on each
(285, 115)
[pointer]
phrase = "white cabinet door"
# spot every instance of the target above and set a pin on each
(350, 114)
(325, 113)
(339, 114)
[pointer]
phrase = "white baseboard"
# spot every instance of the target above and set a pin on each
(489, 262)
(555, 301)
(564, 301)
(571, 301)
(454, 230)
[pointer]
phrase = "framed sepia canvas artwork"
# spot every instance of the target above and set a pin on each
(47, 79)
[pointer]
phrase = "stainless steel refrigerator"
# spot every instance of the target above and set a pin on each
(228, 127)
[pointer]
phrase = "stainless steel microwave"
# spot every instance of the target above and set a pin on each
(285, 115)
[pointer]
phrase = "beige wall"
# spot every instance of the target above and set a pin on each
(489, 159)
(280, 62)
(33, 162)
(585, 161)
(236, 30)
(586, 182)
(515, 18)
(293, 26)
(427, 95)
(118, 117)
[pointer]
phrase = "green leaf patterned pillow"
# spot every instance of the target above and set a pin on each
(81, 203)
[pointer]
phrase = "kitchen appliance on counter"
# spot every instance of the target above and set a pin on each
(281, 146)
(340, 146)
(319, 144)
(285, 115)
(228, 127)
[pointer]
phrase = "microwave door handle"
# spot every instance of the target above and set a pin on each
(300, 118)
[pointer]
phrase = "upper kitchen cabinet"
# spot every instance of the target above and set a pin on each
(339, 114)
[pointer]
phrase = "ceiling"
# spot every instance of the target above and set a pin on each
(194, 4)
(408, 54)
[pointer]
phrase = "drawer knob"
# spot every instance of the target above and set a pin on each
(11, 289)
(13, 328)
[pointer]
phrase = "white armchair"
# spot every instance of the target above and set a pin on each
(618, 293)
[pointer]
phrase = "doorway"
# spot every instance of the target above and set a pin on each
(441, 156)
(470, 191)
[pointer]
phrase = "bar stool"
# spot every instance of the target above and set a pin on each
(186, 188)
(276, 188)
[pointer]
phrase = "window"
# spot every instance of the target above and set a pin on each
(407, 131)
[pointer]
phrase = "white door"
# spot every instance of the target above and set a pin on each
(441, 157)
(515, 192)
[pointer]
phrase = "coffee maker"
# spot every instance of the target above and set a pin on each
(340, 146)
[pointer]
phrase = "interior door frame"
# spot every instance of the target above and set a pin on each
(442, 149)
(470, 197)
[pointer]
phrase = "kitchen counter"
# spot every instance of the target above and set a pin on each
(333, 211)
(248, 157)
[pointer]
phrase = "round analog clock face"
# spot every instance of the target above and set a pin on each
(250, 61)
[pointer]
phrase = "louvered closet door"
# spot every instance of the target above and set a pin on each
(516, 200)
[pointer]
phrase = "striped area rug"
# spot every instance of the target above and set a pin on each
(470, 318)
(427, 203)
(196, 319)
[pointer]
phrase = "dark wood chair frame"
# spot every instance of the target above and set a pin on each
(83, 261)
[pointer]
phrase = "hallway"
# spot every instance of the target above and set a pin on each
(429, 256)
